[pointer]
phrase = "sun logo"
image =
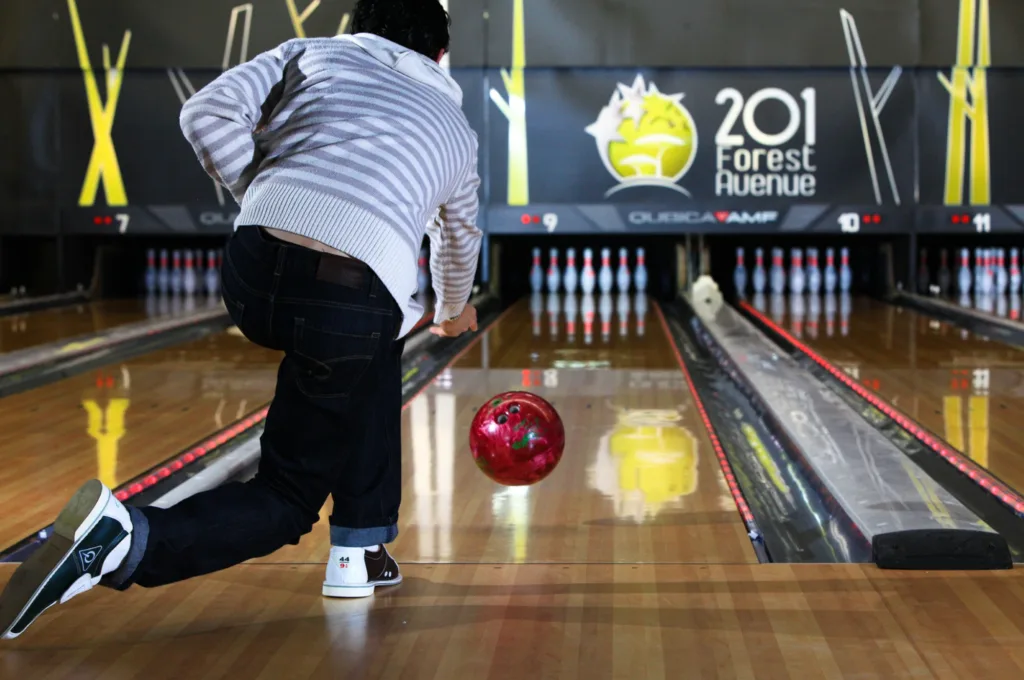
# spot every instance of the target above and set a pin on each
(645, 138)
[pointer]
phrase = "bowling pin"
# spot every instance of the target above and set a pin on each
(797, 276)
(605, 309)
(813, 272)
(554, 307)
(944, 275)
(536, 309)
(622, 276)
(1014, 272)
(830, 270)
(163, 276)
(212, 274)
(571, 310)
(988, 280)
(640, 275)
(1001, 309)
(570, 279)
(622, 310)
(150, 271)
(923, 279)
(604, 277)
(188, 278)
(979, 265)
(963, 277)
(739, 275)
(554, 276)
(640, 309)
(778, 273)
(760, 277)
(536, 273)
(1002, 280)
(845, 275)
(1015, 306)
(587, 309)
(176, 274)
(587, 278)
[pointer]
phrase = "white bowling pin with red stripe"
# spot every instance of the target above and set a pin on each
(604, 277)
(554, 276)
(640, 274)
(570, 278)
(587, 278)
(622, 276)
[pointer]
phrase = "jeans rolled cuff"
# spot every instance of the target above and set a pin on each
(342, 537)
(121, 578)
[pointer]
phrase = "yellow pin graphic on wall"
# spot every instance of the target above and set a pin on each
(103, 166)
(968, 103)
(514, 109)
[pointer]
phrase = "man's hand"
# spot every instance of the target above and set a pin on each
(454, 328)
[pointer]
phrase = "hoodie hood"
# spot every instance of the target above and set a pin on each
(407, 62)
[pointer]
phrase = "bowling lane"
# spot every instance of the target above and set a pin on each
(20, 331)
(638, 482)
(963, 387)
(120, 422)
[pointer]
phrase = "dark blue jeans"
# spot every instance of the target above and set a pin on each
(334, 425)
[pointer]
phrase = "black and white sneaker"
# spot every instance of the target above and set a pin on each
(91, 538)
(356, 572)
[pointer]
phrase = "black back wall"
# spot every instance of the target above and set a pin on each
(575, 54)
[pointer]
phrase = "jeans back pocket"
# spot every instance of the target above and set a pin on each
(331, 363)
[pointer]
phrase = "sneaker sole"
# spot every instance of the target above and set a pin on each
(76, 519)
(357, 591)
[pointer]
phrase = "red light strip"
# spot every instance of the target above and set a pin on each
(134, 488)
(965, 465)
(723, 461)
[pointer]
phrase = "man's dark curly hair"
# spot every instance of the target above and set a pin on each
(420, 25)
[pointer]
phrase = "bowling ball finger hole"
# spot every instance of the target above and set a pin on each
(514, 409)
(502, 419)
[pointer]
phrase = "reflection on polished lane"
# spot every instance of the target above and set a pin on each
(121, 421)
(1003, 306)
(21, 331)
(966, 388)
(639, 481)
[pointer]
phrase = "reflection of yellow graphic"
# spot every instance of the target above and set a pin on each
(647, 462)
(299, 18)
(103, 165)
(969, 82)
(928, 492)
(106, 426)
(977, 422)
(644, 137)
(432, 419)
(515, 111)
(764, 458)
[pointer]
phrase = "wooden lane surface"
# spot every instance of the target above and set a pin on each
(638, 482)
(769, 622)
(119, 422)
(20, 331)
(965, 388)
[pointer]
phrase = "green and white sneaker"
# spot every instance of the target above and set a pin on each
(90, 539)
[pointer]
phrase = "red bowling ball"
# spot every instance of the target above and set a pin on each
(517, 438)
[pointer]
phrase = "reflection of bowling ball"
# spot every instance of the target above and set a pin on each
(517, 438)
